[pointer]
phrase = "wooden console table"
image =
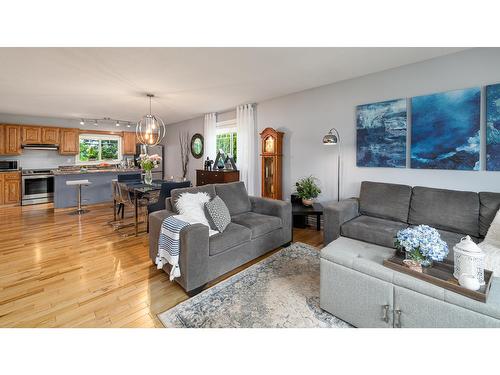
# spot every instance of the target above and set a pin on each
(216, 177)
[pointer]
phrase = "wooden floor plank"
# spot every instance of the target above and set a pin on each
(60, 270)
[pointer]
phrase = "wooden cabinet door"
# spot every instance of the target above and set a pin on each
(31, 135)
(2, 140)
(12, 191)
(1, 189)
(69, 141)
(50, 136)
(129, 143)
(12, 140)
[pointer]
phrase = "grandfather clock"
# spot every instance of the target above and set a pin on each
(272, 148)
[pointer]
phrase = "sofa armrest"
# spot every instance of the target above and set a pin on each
(273, 207)
(194, 251)
(336, 214)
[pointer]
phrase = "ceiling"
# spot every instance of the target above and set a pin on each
(187, 82)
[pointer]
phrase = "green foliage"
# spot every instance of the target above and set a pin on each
(89, 149)
(228, 143)
(307, 188)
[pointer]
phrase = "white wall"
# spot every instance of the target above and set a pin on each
(173, 165)
(306, 116)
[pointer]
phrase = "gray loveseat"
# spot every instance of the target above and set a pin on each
(258, 225)
(383, 209)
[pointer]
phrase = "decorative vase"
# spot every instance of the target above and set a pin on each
(307, 202)
(148, 177)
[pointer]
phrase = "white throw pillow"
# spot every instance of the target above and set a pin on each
(491, 246)
(191, 207)
(493, 235)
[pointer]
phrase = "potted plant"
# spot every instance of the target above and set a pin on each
(307, 189)
(422, 245)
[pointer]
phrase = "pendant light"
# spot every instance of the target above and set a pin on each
(150, 130)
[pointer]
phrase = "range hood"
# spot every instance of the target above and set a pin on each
(40, 147)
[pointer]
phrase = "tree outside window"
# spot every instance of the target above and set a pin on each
(227, 142)
(95, 148)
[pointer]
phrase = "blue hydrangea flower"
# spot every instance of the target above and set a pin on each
(424, 240)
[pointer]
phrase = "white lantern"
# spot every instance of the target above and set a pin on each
(469, 260)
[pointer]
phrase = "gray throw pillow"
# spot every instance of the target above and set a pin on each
(217, 214)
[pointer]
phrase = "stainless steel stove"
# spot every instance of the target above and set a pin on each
(37, 186)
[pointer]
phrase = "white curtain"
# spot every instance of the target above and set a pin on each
(246, 148)
(209, 135)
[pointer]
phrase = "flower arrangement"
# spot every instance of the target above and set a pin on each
(149, 162)
(422, 244)
(307, 189)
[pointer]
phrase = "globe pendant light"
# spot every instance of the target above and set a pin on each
(150, 130)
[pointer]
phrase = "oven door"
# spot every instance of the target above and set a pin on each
(37, 189)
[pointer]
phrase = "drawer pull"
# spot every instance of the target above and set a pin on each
(385, 311)
(397, 320)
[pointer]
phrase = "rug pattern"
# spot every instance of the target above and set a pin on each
(278, 292)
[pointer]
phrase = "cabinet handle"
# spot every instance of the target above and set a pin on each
(397, 320)
(385, 311)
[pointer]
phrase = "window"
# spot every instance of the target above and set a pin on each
(227, 138)
(99, 148)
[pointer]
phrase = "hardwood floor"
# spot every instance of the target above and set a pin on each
(59, 270)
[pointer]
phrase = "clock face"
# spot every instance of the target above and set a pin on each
(269, 144)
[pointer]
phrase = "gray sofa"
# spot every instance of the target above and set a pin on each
(258, 225)
(359, 235)
(383, 209)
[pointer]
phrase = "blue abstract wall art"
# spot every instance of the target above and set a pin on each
(381, 134)
(445, 130)
(493, 127)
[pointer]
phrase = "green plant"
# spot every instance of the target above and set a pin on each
(307, 188)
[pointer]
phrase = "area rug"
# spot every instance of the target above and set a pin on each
(280, 291)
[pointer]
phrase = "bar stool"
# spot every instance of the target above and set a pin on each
(79, 183)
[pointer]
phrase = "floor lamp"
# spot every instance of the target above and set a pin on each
(332, 139)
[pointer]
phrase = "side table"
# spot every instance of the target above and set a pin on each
(299, 210)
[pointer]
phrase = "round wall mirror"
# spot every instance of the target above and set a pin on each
(197, 146)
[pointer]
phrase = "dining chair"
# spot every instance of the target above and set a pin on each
(116, 199)
(130, 177)
(125, 198)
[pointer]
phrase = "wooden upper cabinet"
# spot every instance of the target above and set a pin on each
(129, 143)
(1, 183)
(11, 140)
(68, 144)
(2, 140)
(31, 135)
(50, 136)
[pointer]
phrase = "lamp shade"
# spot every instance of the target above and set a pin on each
(150, 130)
(330, 139)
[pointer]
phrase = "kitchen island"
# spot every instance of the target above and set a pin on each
(99, 191)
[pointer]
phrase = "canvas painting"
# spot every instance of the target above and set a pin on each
(445, 130)
(493, 127)
(381, 134)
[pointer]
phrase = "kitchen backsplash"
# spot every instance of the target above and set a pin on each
(40, 159)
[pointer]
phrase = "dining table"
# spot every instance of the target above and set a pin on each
(139, 190)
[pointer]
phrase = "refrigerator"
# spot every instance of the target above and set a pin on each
(158, 173)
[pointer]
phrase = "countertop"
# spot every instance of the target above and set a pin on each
(58, 172)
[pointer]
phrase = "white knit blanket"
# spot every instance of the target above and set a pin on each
(491, 246)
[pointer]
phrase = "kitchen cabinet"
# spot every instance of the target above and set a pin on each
(69, 139)
(50, 136)
(11, 140)
(2, 140)
(10, 188)
(129, 143)
(31, 135)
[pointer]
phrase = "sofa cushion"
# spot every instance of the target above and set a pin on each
(175, 194)
(387, 201)
(259, 224)
(450, 210)
(233, 235)
(489, 206)
(235, 196)
(372, 229)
